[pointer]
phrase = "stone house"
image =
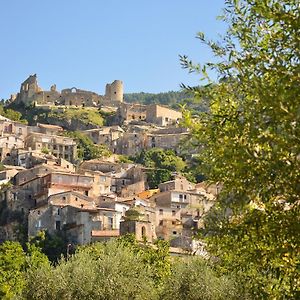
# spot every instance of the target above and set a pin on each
(38, 171)
(131, 143)
(130, 181)
(180, 183)
(8, 127)
(102, 182)
(118, 206)
(126, 178)
(136, 222)
(46, 129)
(182, 199)
(9, 143)
(40, 188)
(161, 115)
(8, 175)
(59, 146)
(31, 158)
(131, 112)
(17, 200)
(102, 166)
(74, 214)
(168, 223)
(168, 138)
(105, 135)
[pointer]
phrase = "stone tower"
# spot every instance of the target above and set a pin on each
(114, 91)
(29, 88)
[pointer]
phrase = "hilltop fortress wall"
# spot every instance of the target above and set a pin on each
(30, 92)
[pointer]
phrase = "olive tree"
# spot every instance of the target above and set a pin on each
(249, 141)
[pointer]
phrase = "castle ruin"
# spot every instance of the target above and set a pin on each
(31, 93)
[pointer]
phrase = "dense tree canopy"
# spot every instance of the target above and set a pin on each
(119, 269)
(11, 114)
(249, 141)
(161, 164)
(86, 149)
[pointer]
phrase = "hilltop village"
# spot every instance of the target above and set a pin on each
(45, 187)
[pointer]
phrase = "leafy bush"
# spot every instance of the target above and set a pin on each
(86, 148)
(193, 279)
(163, 163)
(110, 271)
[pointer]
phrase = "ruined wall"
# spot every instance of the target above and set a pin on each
(30, 93)
(79, 97)
(28, 89)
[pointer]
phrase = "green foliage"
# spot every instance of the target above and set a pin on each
(169, 98)
(163, 163)
(124, 159)
(119, 269)
(45, 150)
(53, 246)
(194, 279)
(14, 263)
(132, 214)
(249, 141)
(193, 171)
(85, 115)
(108, 117)
(155, 257)
(86, 149)
(2, 167)
(11, 114)
(100, 271)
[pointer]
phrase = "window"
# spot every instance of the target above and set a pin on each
(39, 224)
(185, 197)
(86, 193)
(173, 212)
(174, 232)
(161, 211)
(180, 196)
(58, 211)
(143, 231)
(110, 222)
(57, 225)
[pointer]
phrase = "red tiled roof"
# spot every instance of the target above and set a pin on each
(105, 233)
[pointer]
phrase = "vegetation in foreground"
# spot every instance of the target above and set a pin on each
(249, 141)
(120, 269)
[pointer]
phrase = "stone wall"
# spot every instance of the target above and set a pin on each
(30, 93)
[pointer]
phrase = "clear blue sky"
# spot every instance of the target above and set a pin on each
(87, 43)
